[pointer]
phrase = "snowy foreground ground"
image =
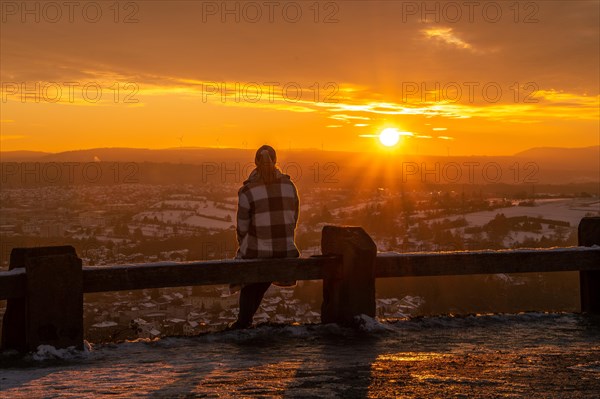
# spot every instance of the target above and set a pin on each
(521, 356)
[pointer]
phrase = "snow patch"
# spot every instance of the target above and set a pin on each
(369, 324)
(49, 352)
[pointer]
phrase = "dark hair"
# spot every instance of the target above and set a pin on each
(265, 159)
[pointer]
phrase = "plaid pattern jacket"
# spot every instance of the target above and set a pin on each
(266, 218)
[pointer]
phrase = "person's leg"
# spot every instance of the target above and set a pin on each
(250, 299)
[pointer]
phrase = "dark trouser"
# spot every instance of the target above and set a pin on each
(250, 298)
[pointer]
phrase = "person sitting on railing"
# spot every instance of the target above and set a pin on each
(267, 216)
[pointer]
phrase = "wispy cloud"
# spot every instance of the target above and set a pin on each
(353, 105)
(447, 36)
(347, 118)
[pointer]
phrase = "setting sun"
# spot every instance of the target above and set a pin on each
(389, 137)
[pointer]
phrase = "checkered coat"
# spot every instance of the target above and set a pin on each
(267, 217)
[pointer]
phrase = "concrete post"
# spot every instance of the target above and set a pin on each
(52, 311)
(589, 281)
(351, 292)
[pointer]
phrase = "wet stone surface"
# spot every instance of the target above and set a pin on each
(495, 356)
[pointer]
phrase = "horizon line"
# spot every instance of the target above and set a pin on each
(284, 150)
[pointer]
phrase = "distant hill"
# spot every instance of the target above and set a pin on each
(559, 151)
(536, 165)
(199, 154)
(565, 164)
(169, 155)
(585, 156)
(21, 156)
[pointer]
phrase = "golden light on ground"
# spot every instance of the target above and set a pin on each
(389, 137)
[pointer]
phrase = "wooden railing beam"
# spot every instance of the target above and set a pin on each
(487, 262)
(118, 278)
(131, 277)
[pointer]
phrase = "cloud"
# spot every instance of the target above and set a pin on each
(353, 105)
(447, 36)
(347, 118)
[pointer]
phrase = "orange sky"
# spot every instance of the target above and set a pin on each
(492, 80)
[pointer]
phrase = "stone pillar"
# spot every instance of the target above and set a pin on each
(351, 291)
(52, 311)
(589, 281)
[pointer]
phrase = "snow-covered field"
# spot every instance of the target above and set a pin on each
(205, 214)
(201, 221)
(516, 356)
(566, 210)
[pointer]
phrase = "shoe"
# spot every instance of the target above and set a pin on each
(287, 284)
(236, 325)
(233, 289)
